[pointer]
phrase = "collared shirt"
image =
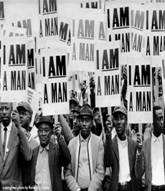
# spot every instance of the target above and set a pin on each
(42, 176)
(84, 164)
(7, 137)
(157, 161)
(124, 169)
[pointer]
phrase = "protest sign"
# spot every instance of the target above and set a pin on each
(155, 45)
(156, 61)
(48, 22)
(137, 41)
(156, 18)
(155, 27)
(79, 86)
(163, 77)
(33, 98)
(1, 61)
(107, 75)
(31, 66)
(2, 12)
(138, 16)
(139, 90)
(157, 85)
(138, 27)
(157, 1)
(118, 24)
(11, 31)
(2, 16)
(54, 83)
(131, 1)
(92, 4)
(87, 28)
(65, 30)
(47, 7)
(48, 26)
(14, 70)
(26, 24)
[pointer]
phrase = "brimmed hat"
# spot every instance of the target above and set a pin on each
(73, 101)
(120, 109)
(95, 110)
(86, 111)
(45, 119)
(76, 109)
(25, 106)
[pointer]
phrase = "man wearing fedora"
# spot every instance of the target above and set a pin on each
(48, 158)
(120, 154)
(86, 170)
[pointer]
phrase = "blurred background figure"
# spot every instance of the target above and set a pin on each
(76, 121)
(97, 129)
(109, 128)
(92, 92)
(73, 102)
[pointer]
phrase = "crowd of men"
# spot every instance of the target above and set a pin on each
(79, 153)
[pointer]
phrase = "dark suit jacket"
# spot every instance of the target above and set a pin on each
(10, 168)
(143, 163)
(111, 159)
(59, 156)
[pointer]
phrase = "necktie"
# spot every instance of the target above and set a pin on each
(4, 141)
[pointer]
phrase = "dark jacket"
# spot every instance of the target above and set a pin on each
(59, 156)
(10, 167)
(143, 163)
(111, 159)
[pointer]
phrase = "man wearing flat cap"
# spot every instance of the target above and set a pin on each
(86, 170)
(48, 158)
(25, 114)
(120, 154)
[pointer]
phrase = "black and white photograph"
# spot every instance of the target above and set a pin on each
(82, 95)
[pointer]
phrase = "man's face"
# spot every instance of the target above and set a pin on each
(85, 126)
(108, 123)
(44, 133)
(25, 118)
(5, 112)
(158, 121)
(97, 117)
(119, 121)
(76, 122)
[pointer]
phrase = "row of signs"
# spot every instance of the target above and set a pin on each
(101, 41)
